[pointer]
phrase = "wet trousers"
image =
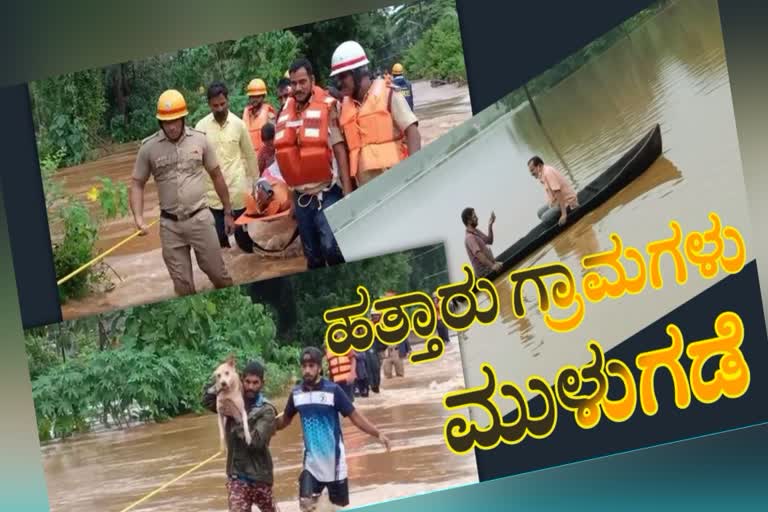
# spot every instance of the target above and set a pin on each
(393, 361)
(179, 238)
(244, 495)
(318, 242)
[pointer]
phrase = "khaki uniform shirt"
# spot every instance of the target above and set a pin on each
(179, 169)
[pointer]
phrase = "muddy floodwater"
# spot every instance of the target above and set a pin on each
(671, 70)
(109, 471)
(136, 272)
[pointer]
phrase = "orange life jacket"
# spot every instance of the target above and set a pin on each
(301, 141)
(255, 124)
(340, 367)
(369, 130)
(280, 202)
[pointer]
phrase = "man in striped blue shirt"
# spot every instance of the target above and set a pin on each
(319, 402)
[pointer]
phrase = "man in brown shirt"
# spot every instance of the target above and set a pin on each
(178, 158)
(477, 243)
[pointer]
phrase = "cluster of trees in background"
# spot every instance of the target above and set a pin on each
(83, 113)
(151, 362)
(457, 138)
(79, 117)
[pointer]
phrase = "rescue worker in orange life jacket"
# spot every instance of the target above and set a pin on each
(258, 112)
(403, 86)
(312, 158)
(343, 371)
(375, 120)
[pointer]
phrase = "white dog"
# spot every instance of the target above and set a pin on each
(229, 388)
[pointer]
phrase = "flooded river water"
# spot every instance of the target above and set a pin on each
(109, 471)
(136, 270)
(671, 70)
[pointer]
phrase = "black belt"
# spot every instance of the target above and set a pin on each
(166, 215)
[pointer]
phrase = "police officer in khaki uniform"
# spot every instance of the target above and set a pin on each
(178, 158)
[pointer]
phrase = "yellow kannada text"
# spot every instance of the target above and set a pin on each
(583, 391)
(350, 328)
(705, 250)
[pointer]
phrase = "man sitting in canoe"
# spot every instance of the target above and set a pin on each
(270, 197)
(561, 197)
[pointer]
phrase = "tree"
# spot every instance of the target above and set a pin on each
(319, 40)
(69, 110)
(438, 54)
(331, 287)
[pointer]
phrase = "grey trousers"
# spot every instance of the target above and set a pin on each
(549, 215)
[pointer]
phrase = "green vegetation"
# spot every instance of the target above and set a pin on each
(147, 363)
(78, 116)
(438, 54)
(151, 362)
(331, 287)
(79, 226)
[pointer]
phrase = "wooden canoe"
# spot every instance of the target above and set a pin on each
(631, 165)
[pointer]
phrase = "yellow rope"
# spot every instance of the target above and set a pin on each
(102, 255)
(156, 491)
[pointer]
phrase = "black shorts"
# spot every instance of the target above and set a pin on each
(309, 487)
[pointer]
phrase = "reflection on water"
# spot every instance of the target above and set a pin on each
(109, 471)
(672, 71)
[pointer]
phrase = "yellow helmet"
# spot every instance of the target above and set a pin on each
(257, 87)
(171, 106)
(397, 69)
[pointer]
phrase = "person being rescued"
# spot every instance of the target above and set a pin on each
(379, 128)
(270, 197)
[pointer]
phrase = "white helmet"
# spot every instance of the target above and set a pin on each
(349, 55)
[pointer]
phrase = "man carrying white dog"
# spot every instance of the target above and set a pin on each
(250, 472)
